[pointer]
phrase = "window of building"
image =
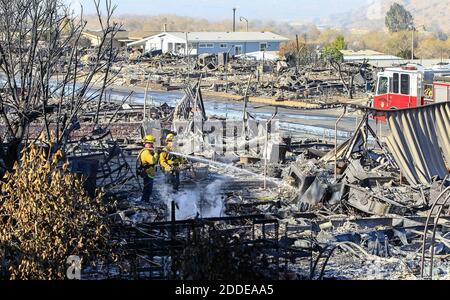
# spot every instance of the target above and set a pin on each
(382, 86)
(223, 46)
(404, 84)
(206, 45)
(179, 47)
(395, 83)
(263, 46)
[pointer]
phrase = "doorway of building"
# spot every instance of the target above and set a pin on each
(238, 49)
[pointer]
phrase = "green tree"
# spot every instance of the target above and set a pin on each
(332, 51)
(398, 18)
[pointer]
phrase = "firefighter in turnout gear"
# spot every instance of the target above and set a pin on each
(146, 168)
(171, 163)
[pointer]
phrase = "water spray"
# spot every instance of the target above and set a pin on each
(227, 167)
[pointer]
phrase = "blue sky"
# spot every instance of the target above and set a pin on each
(279, 10)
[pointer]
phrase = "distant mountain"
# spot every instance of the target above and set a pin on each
(433, 14)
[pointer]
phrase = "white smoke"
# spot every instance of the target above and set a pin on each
(194, 202)
(213, 200)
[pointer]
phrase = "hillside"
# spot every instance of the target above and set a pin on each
(142, 25)
(434, 14)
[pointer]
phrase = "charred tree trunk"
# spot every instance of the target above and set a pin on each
(350, 88)
(343, 71)
(39, 39)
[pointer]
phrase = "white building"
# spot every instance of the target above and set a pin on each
(235, 43)
(121, 38)
(369, 55)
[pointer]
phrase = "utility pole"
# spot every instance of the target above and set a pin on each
(234, 19)
(305, 37)
(297, 57)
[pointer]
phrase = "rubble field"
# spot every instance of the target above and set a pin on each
(266, 203)
(279, 82)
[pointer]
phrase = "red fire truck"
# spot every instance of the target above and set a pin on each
(412, 86)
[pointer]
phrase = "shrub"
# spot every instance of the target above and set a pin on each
(46, 216)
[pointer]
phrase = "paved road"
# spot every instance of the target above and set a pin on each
(307, 123)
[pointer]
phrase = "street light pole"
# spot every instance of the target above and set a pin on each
(412, 38)
(246, 21)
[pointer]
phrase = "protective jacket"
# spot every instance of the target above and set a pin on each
(170, 162)
(147, 159)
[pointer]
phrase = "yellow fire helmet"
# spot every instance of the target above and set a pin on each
(148, 139)
(170, 137)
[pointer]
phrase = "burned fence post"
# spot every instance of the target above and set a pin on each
(335, 141)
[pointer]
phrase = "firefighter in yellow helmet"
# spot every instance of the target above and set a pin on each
(171, 163)
(146, 166)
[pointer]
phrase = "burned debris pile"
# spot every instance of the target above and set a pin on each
(351, 210)
(278, 79)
